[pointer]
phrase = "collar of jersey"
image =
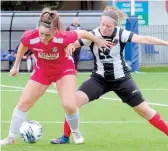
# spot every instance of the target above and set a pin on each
(110, 37)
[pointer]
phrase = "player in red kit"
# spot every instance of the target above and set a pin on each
(52, 65)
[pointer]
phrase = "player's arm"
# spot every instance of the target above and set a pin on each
(83, 34)
(148, 40)
(20, 53)
(78, 43)
(72, 47)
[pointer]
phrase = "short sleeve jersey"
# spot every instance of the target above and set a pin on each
(110, 63)
(51, 55)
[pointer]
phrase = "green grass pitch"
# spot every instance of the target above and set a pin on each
(107, 124)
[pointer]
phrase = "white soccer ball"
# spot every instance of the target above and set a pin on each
(31, 131)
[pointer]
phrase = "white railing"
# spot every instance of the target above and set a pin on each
(154, 55)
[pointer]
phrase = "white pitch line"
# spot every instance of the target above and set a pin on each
(146, 89)
(21, 88)
(89, 73)
(89, 122)
(105, 98)
(158, 89)
(115, 99)
(8, 86)
(10, 90)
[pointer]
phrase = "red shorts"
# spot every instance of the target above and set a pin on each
(47, 76)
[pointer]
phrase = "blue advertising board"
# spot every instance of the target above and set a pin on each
(141, 9)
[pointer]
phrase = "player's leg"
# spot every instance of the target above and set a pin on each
(33, 90)
(90, 90)
(66, 88)
(130, 94)
(152, 116)
(29, 63)
(82, 99)
(76, 57)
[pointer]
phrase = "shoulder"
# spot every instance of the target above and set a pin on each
(28, 34)
(119, 29)
(122, 30)
(62, 37)
(67, 33)
(96, 30)
(30, 37)
(64, 34)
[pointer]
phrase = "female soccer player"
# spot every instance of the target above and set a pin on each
(111, 72)
(52, 65)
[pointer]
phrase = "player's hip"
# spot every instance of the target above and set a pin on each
(48, 75)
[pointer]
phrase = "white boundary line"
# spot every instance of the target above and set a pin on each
(105, 98)
(10, 90)
(150, 103)
(145, 89)
(88, 73)
(90, 122)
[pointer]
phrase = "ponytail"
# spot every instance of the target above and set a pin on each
(50, 19)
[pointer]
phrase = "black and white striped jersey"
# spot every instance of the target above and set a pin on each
(110, 63)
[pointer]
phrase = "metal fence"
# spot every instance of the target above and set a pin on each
(154, 55)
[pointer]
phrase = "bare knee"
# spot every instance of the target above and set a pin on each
(81, 98)
(145, 110)
(24, 104)
(69, 107)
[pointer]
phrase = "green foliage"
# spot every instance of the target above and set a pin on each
(29, 5)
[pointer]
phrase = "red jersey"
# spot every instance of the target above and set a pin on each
(52, 55)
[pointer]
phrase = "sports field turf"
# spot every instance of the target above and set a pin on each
(107, 124)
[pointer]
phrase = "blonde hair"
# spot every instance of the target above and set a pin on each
(122, 16)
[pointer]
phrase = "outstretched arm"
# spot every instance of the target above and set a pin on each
(148, 40)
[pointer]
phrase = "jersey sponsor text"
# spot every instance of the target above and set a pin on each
(48, 56)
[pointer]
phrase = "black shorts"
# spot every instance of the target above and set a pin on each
(125, 88)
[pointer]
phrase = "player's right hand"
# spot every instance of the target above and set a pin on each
(70, 49)
(13, 71)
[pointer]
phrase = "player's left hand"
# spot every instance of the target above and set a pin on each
(70, 49)
(13, 71)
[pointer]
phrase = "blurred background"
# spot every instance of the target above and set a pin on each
(18, 16)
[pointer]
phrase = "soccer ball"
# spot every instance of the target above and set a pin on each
(31, 131)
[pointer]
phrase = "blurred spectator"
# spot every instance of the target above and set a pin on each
(75, 26)
(28, 57)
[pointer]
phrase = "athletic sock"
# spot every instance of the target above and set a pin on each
(158, 122)
(73, 121)
(67, 130)
(18, 118)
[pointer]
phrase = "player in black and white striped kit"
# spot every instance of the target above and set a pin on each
(110, 63)
(111, 72)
